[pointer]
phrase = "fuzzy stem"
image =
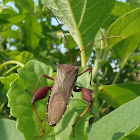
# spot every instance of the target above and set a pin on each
(118, 73)
(96, 68)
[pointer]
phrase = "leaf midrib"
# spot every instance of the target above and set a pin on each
(80, 42)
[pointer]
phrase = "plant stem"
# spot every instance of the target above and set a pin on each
(3, 104)
(116, 77)
(101, 55)
(122, 64)
(95, 69)
(11, 62)
(11, 70)
(83, 59)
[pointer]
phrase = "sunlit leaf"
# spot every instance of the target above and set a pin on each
(117, 95)
(134, 135)
(118, 123)
(127, 26)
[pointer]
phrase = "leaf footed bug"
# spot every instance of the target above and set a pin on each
(61, 92)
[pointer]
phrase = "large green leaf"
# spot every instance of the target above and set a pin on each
(125, 7)
(127, 25)
(116, 12)
(83, 18)
(8, 130)
(117, 95)
(21, 108)
(125, 48)
(134, 135)
(118, 123)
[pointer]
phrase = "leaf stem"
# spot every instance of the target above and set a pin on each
(80, 42)
(15, 67)
(11, 62)
(3, 104)
(116, 77)
(101, 55)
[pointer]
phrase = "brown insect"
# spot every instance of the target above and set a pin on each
(61, 92)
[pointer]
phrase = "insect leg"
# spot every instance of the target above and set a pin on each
(43, 75)
(87, 96)
(40, 94)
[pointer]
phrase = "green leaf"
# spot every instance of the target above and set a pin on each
(17, 18)
(10, 33)
(118, 123)
(117, 95)
(135, 56)
(82, 19)
(127, 25)
(134, 135)
(23, 57)
(125, 7)
(31, 32)
(8, 130)
(125, 48)
(21, 108)
(7, 81)
(116, 12)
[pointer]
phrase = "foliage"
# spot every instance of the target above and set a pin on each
(30, 46)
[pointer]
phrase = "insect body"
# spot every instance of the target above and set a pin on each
(61, 92)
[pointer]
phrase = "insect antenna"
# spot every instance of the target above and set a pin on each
(94, 43)
(63, 33)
